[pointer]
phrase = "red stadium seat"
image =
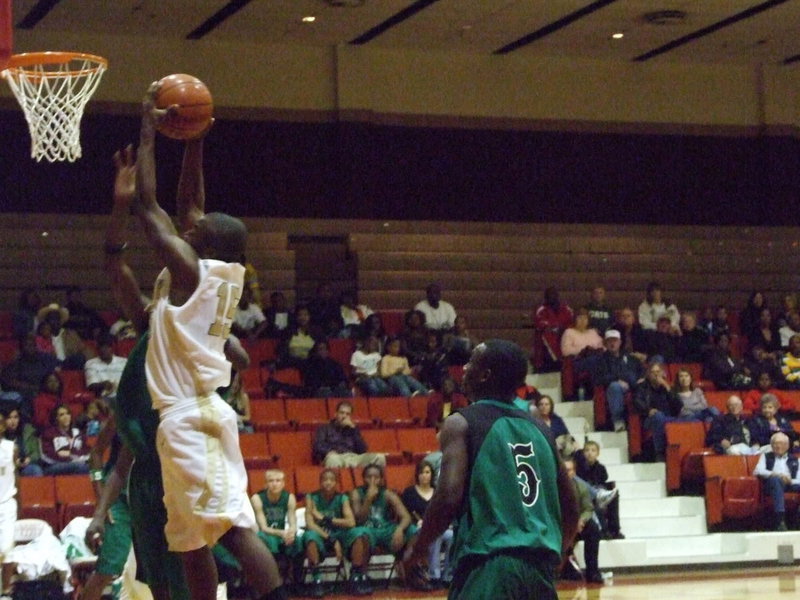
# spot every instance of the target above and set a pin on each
(37, 497)
(255, 450)
(261, 351)
(306, 413)
(685, 451)
(6, 325)
(390, 412)
(417, 443)
(291, 448)
(307, 478)
(399, 477)
(8, 351)
(75, 497)
(385, 442)
(269, 415)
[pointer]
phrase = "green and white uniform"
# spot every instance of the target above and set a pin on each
(275, 514)
(117, 536)
(333, 509)
(379, 526)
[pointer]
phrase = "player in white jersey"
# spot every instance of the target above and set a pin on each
(195, 299)
(8, 501)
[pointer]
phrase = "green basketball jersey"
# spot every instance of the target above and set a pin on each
(378, 511)
(275, 512)
(512, 496)
(333, 508)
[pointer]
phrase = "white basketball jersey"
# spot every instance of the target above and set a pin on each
(185, 356)
(8, 486)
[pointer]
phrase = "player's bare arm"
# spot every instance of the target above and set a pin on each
(236, 354)
(114, 484)
(191, 196)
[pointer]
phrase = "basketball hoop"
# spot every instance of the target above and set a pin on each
(53, 89)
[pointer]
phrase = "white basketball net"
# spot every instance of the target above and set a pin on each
(53, 96)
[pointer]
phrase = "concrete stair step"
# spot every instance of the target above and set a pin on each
(648, 488)
(636, 471)
(544, 380)
(576, 409)
(577, 426)
(651, 527)
(609, 439)
(610, 456)
(672, 506)
(554, 393)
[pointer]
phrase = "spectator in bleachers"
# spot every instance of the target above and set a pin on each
(764, 385)
(769, 421)
(617, 372)
(46, 400)
(340, 444)
(353, 314)
(600, 314)
(298, 341)
(83, 319)
(788, 306)
(779, 473)
(44, 338)
(654, 306)
(546, 414)
(588, 528)
(604, 493)
(24, 319)
(790, 364)
(432, 367)
(730, 433)
(458, 344)
(631, 334)
(365, 362)
(275, 508)
(550, 320)
(249, 322)
(123, 329)
(92, 419)
(414, 336)
(693, 342)
(325, 311)
(750, 315)
(662, 343)
(331, 527)
(443, 403)
(64, 447)
(439, 315)
(323, 377)
(766, 334)
(278, 317)
(580, 340)
(55, 316)
(27, 440)
(790, 328)
(695, 405)
(76, 350)
(26, 372)
(251, 281)
(104, 371)
(416, 499)
(726, 372)
(719, 323)
(373, 326)
(658, 405)
(758, 361)
(396, 373)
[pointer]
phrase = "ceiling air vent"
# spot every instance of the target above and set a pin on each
(664, 17)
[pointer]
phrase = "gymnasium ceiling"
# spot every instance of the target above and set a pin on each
(708, 31)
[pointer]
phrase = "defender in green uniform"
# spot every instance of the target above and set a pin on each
(330, 527)
(502, 481)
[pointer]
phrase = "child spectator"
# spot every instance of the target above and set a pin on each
(64, 448)
(433, 365)
(764, 385)
(768, 422)
(604, 493)
(297, 341)
(444, 402)
(790, 364)
(47, 399)
(276, 514)
(365, 362)
(91, 421)
(372, 326)
(695, 405)
(395, 371)
(323, 377)
(27, 440)
(459, 343)
(414, 337)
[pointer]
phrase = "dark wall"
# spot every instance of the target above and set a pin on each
(358, 170)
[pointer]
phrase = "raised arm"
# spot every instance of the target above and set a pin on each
(191, 197)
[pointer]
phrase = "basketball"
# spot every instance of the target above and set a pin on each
(194, 103)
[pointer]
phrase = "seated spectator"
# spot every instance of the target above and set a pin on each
(24, 318)
(726, 372)
(662, 344)
(658, 405)
(788, 306)
(758, 361)
(276, 515)
(381, 512)
(588, 528)
(617, 372)
(695, 405)
(104, 371)
(297, 341)
(432, 367)
(414, 337)
(459, 344)
(443, 403)
(655, 306)
(323, 377)
(83, 319)
(46, 400)
(365, 362)
(44, 338)
(779, 473)
(27, 441)
(766, 334)
(719, 324)
(277, 316)
(564, 441)
(396, 373)
(752, 400)
(92, 420)
(730, 433)
(768, 421)
(791, 328)
(439, 315)
(26, 372)
(249, 322)
(632, 335)
(64, 448)
(751, 314)
(604, 493)
(600, 314)
(373, 326)
(123, 329)
(325, 311)
(693, 342)
(353, 314)
(76, 350)
(339, 443)
(550, 320)
(331, 527)
(56, 317)
(416, 499)
(580, 340)
(790, 364)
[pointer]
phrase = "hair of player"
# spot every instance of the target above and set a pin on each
(508, 366)
(376, 466)
(229, 236)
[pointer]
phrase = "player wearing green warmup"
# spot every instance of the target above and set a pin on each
(275, 509)
(330, 527)
(503, 482)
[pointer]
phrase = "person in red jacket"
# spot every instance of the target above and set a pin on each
(550, 321)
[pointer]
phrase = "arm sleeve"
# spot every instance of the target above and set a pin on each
(761, 467)
(359, 445)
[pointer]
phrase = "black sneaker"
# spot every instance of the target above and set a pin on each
(317, 589)
(366, 585)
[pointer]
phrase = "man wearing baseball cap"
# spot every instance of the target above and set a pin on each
(617, 372)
